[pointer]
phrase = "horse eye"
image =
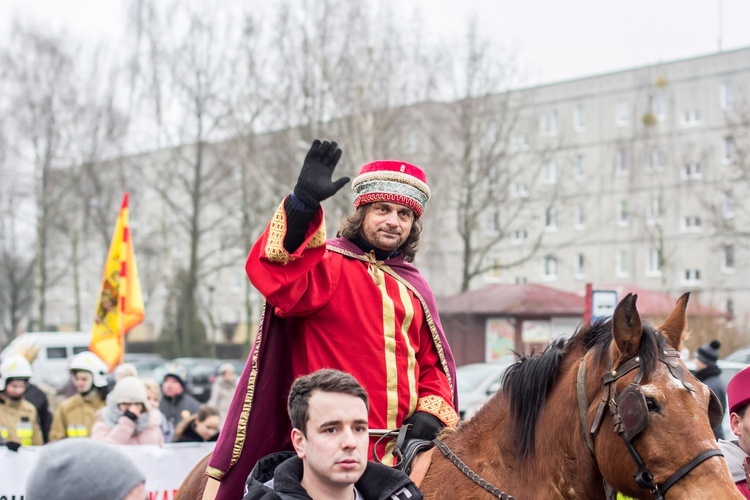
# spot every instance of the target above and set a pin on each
(651, 404)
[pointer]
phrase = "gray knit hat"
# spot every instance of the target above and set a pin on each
(709, 353)
(82, 469)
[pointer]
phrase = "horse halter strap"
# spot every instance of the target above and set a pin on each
(629, 413)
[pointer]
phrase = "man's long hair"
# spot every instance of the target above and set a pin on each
(351, 227)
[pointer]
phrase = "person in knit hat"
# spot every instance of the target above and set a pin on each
(737, 452)
(355, 303)
(710, 374)
(127, 418)
(85, 470)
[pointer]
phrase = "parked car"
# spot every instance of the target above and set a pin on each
(55, 352)
(477, 383)
(740, 356)
(728, 370)
(148, 365)
(201, 377)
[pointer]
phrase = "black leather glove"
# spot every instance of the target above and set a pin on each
(424, 426)
(132, 416)
(315, 182)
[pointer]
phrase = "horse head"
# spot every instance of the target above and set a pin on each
(661, 414)
(611, 407)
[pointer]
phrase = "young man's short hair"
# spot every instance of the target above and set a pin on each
(325, 380)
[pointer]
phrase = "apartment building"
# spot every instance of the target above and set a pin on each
(627, 177)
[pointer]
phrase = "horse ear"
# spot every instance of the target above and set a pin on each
(626, 327)
(674, 325)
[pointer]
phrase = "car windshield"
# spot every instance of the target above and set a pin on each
(468, 377)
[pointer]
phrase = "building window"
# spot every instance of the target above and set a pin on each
(519, 280)
(579, 167)
(623, 113)
(692, 223)
(549, 171)
(237, 280)
(621, 264)
(550, 219)
(691, 118)
(548, 122)
(550, 268)
(657, 105)
(622, 162)
(726, 95)
(518, 143)
(691, 276)
(492, 223)
(729, 307)
(519, 236)
(728, 264)
(492, 179)
(579, 118)
(728, 150)
(580, 266)
(657, 159)
(654, 211)
(412, 142)
(653, 268)
(493, 274)
(729, 203)
(622, 213)
(519, 190)
(692, 171)
(579, 215)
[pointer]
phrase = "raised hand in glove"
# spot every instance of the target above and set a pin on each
(315, 182)
(424, 426)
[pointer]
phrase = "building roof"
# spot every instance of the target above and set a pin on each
(653, 304)
(514, 300)
(530, 299)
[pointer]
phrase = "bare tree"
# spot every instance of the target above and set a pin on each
(491, 166)
(187, 57)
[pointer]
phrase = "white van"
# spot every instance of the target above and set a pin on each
(55, 352)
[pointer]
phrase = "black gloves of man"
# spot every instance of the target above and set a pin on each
(315, 182)
(424, 426)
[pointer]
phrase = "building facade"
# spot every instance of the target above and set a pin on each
(629, 177)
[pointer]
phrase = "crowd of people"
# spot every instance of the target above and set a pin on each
(134, 411)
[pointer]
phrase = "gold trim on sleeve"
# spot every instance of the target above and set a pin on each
(275, 251)
(435, 405)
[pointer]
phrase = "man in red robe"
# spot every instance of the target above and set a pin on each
(355, 303)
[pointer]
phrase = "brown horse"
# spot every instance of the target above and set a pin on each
(621, 381)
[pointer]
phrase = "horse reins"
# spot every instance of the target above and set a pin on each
(629, 413)
(487, 486)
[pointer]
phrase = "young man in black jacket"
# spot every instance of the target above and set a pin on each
(328, 410)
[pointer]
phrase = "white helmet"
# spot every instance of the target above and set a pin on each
(89, 362)
(14, 366)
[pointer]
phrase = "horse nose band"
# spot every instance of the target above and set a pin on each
(630, 416)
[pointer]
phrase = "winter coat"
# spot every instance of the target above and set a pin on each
(112, 426)
(711, 376)
(222, 392)
(379, 482)
(178, 408)
(75, 416)
(38, 398)
(735, 457)
(189, 435)
(19, 422)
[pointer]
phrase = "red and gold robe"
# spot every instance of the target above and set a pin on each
(333, 306)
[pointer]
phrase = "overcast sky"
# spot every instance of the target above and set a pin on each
(554, 39)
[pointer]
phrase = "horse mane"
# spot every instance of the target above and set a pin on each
(527, 383)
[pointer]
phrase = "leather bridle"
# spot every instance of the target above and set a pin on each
(630, 415)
